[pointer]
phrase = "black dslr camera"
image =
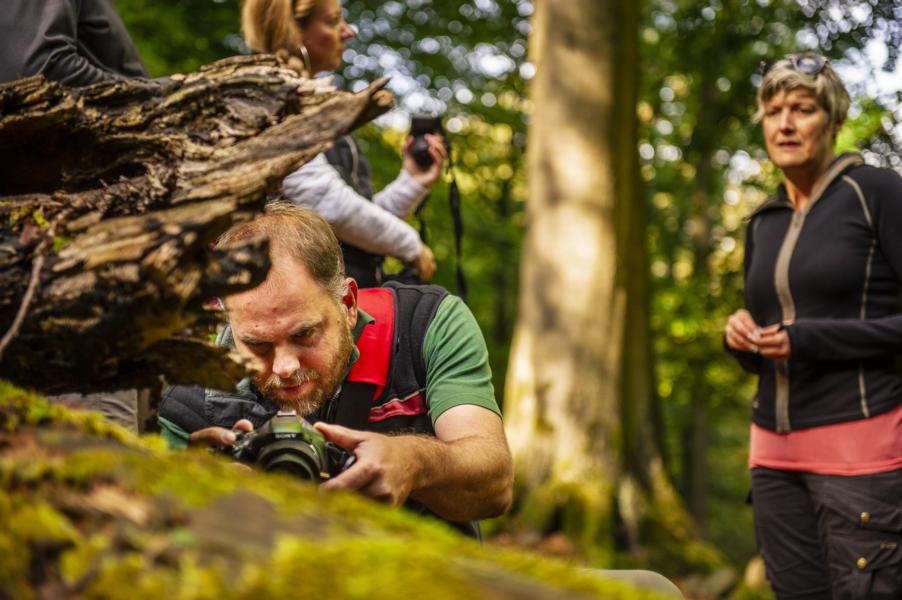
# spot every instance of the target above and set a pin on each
(420, 125)
(288, 443)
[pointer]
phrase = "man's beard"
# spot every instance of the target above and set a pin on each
(324, 384)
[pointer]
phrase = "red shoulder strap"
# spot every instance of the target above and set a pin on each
(375, 342)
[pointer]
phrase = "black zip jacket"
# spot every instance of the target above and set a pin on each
(832, 271)
(75, 42)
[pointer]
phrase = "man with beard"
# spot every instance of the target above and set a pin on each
(398, 376)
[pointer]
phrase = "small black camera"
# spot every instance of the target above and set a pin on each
(288, 443)
(420, 125)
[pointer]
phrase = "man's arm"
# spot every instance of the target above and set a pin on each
(42, 37)
(463, 474)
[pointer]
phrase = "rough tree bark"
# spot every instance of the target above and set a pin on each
(580, 406)
(110, 198)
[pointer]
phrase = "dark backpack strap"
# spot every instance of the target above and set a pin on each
(353, 410)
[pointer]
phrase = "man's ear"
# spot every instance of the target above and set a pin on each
(349, 301)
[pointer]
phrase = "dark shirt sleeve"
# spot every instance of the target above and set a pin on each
(44, 37)
(747, 360)
(854, 339)
(845, 339)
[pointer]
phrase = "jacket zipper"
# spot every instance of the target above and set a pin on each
(862, 386)
(781, 283)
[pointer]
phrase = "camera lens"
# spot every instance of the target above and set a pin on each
(420, 152)
(293, 458)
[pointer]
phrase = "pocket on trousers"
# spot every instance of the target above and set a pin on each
(865, 564)
(869, 502)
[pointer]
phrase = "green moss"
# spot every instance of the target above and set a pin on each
(582, 512)
(15, 556)
(744, 592)
(674, 545)
(79, 562)
(39, 219)
(104, 514)
(59, 242)
(16, 215)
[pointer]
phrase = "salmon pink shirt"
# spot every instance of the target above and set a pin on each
(861, 447)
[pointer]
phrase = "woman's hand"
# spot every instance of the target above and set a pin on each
(425, 263)
(742, 332)
(773, 343)
(436, 150)
(744, 335)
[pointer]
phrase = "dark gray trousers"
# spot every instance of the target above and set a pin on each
(119, 407)
(830, 537)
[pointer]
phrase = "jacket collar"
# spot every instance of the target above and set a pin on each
(837, 168)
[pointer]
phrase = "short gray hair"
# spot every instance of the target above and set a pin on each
(303, 235)
(826, 86)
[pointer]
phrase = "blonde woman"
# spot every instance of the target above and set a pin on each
(310, 36)
(821, 329)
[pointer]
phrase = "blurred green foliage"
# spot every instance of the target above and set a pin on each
(701, 159)
(177, 36)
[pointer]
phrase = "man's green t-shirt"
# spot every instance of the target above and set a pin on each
(457, 361)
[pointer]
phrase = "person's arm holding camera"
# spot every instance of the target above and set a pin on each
(402, 196)
(462, 474)
(414, 174)
(465, 472)
(355, 220)
(366, 225)
(437, 151)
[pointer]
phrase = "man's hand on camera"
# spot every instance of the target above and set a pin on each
(218, 436)
(382, 469)
(425, 263)
(437, 151)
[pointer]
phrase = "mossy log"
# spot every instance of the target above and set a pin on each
(91, 511)
(111, 196)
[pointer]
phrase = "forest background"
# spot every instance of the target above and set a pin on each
(701, 160)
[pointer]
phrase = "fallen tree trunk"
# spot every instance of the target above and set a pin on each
(110, 198)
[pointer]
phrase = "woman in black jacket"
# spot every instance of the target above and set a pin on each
(821, 329)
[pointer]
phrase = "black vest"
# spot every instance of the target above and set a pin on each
(352, 166)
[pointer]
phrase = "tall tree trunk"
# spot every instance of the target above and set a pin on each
(697, 432)
(580, 404)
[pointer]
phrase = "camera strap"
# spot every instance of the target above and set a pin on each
(457, 221)
(458, 224)
(454, 205)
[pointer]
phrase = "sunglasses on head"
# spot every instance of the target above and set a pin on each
(807, 63)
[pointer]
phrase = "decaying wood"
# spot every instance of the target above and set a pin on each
(123, 187)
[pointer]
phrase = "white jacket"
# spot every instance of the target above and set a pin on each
(376, 227)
